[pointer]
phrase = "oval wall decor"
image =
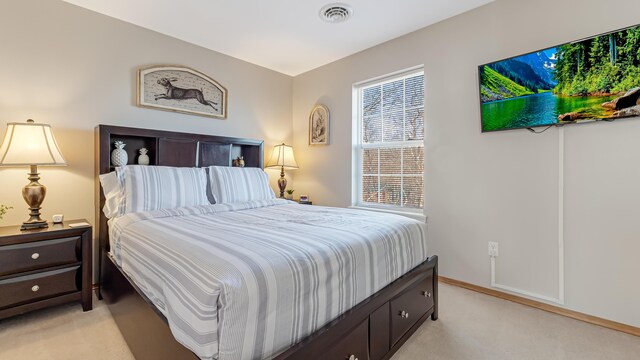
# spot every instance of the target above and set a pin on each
(181, 89)
(319, 126)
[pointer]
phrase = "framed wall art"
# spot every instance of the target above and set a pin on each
(181, 89)
(319, 126)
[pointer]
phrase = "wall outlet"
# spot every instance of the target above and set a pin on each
(493, 249)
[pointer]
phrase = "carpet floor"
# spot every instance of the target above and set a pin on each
(471, 326)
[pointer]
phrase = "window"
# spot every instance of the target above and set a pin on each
(389, 146)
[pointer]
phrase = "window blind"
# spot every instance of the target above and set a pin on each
(391, 142)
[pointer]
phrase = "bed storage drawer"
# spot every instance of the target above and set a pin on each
(408, 307)
(354, 346)
(28, 288)
(39, 254)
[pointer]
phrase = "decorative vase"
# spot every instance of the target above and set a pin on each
(119, 157)
(143, 159)
(238, 162)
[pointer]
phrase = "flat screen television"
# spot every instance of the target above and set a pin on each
(597, 78)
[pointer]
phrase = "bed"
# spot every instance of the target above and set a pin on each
(257, 279)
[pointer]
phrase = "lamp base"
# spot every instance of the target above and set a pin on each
(34, 225)
(33, 193)
(282, 183)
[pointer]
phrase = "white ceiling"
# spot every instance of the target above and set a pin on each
(283, 35)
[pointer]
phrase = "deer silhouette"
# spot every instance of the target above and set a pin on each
(176, 93)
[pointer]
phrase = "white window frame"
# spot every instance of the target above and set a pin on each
(358, 146)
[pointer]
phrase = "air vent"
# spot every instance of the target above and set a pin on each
(336, 13)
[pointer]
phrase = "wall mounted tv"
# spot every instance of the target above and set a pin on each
(592, 79)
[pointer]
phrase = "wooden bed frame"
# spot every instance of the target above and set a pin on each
(373, 330)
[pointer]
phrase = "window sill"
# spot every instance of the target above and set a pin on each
(414, 215)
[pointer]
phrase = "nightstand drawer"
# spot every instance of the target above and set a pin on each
(38, 255)
(38, 286)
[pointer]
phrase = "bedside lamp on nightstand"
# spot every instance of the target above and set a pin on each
(31, 144)
(282, 157)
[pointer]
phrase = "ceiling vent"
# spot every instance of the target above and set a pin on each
(336, 13)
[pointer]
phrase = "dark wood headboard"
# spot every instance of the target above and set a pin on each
(166, 148)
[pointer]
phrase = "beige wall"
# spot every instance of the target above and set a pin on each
(499, 186)
(75, 69)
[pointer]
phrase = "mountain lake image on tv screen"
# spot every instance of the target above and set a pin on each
(596, 78)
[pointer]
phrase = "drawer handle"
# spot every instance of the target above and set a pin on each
(35, 288)
(35, 256)
(426, 294)
(351, 357)
(404, 314)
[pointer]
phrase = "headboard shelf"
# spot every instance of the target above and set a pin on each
(133, 146)
(175, 148)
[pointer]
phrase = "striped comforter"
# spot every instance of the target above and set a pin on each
(248, 280)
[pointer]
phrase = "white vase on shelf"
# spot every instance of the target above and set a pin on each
(143, 159)
(119, 156)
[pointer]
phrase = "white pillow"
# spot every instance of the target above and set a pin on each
(235, 184)
(149, 188)
(114, 197)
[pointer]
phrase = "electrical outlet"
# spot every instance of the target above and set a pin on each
(493, 249)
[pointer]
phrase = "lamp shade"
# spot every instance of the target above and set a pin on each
(282, 156)
(30, 143)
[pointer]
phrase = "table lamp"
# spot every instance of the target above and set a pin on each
(282, 157)
(31, 144)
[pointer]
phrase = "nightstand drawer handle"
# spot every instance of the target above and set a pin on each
(404, 314)
(426, 294)
(35, 288)
(352, 357)
(35, 256)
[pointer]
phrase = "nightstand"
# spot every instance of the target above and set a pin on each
(304, 202)
(44, 267)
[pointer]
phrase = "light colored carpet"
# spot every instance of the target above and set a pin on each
(474, 326)
(471, 326)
